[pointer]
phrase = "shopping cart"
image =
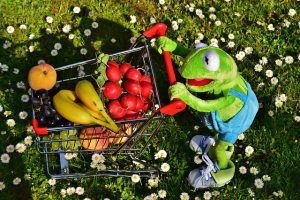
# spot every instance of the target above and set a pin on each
(65, 156)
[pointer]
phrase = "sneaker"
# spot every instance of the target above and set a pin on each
(201, 144)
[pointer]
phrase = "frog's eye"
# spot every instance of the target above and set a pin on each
(211, 60)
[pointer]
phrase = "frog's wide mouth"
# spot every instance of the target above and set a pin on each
(199, 81)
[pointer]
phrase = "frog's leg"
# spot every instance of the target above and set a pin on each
(221, 153)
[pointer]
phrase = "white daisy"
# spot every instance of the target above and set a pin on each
(95, 25)
(239, 57)
(162, 194)
(2, 186)
(27, 176)
(175, 27)
(63, 192)
(191, 9)
(286, 23)
(79, 190)
(132, 19)
(198, 11)
(83, 51)
(253, 170)
(283, 97)
(165, 167)
(264, 60)
(184, 196)
(20, 147)
(31, 36)
(54, 52)
(66, 28)
(222, 39)
(16, 181)
(48, 30)
(132, 40)
(278, 62)
(76, 9)
(93, 165)
(271, 113)
(24, 98)
(289, 59)
(28, 140)
(57, 46)
(71, 36)
(241, 136)
(297, 118)
(10, 29)
(274, 80)
(212, 17)
(266, 178)
(49, 19)
(269, 73)
(21, 85)
(10, 148)
(5, 158)
(161, 2)
(230, 44)
(197, 159)
(258, 183)
(218, 23)
(211, 9)
(248, 50)
(52, 182)
(152, 20)
(113, 40)
(101, 166)
(7, 113)
(196, 128)
(251, 193)
(249, 150)
(1, 108)
(4, 68)
(23, 115)
(180, 21)
(207, 195)
(162, 154)
(16, 71)
(271, 27)
(71, 190)
(10, 122)
(292, 12)
(230, 36)
(135, 178)
(278, 104)
(280, 193)
(23, 26)
(214, 41)
(87, 32)
(243, 170)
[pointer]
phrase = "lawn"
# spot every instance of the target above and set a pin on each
(262, 36)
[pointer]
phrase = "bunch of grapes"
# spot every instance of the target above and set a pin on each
(45, 113)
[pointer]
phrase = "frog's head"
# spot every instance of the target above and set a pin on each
(208, 69)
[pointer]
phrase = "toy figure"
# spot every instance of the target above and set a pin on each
(230, 111)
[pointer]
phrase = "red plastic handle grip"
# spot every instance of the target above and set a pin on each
(176, 105)
(39, 130)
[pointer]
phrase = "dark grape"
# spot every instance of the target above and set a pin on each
(47, 101)
(47, 111)
(57, 117)
(35, 101)
(42, 119)
(53, 111)
(42, 93)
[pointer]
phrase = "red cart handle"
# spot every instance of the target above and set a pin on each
(176, 105)
(39, 130)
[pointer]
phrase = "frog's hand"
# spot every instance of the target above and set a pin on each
(180, 91)
(166, 44)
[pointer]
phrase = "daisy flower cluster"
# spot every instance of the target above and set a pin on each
(71, 190)
(98, 162)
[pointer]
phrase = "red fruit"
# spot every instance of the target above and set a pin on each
(133, 74)
(146, 78)
(112, 90)
(113, 73)
(139, 105)
(132, 87)
(147, 104)
(115, 109)
(111, 62)
(128, 101)
(130, 112)
(131, 116)
(124, 67)
(146, 89)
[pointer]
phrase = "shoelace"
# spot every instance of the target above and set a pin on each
(210, 141)
(210, 166)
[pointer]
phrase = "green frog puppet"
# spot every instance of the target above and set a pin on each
(229, 112)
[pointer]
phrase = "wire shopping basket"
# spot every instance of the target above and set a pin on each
(73, 151)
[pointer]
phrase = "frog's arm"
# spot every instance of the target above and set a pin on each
(166, 44)
(180, 91)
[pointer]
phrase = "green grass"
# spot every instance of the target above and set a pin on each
(275, 139)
